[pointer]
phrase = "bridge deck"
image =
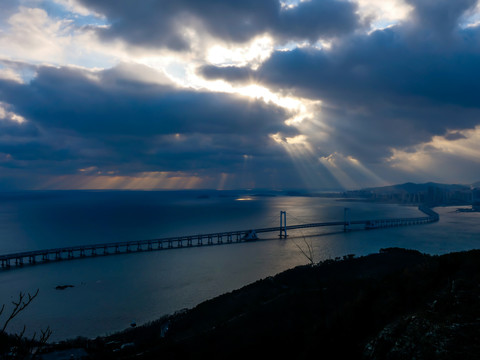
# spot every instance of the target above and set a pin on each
(74, 252)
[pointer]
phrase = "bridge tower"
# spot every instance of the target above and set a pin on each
(346, 219)
(283, 224)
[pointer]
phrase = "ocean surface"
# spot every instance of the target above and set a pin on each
(110, 292)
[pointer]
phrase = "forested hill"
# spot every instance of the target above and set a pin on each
(398, 304)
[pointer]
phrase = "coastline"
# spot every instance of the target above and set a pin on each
(380, 241)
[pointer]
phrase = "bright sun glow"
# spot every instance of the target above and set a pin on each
(255, 91)
(245, 198)
(186, 76)
(348, 171)
(303, 158)
(254, 53)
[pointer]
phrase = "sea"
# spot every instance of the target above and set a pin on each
(111, 292)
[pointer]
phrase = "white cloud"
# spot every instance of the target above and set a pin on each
(384, 12)
(10, 74)
(35, 37)
(6, 114)
(471, 18)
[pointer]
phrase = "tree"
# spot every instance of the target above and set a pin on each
(18, 346)
(308, 252)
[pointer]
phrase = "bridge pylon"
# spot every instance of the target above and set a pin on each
(283, 224)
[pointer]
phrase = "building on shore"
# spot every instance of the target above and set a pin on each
(476, 199)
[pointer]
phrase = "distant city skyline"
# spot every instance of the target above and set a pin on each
(318, 94)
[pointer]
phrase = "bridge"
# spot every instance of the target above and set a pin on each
(75, 252)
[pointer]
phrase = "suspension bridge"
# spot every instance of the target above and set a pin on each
(227, 237)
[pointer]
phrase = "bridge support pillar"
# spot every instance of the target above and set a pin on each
(283, 224)
(346, 219)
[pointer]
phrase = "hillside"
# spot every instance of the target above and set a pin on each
(413, 187)
(398, 304)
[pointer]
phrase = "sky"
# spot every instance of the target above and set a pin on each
(218, 94)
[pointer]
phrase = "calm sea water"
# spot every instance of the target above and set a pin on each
(111, 292)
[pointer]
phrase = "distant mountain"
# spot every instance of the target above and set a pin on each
(410, 187)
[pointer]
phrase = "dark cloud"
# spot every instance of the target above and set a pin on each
(34, 152)
(228, 73)
(13, 129)
(66, 98)
(391, 88)
(162, 22)
(439, 17)
(452, 136)
(110, 120)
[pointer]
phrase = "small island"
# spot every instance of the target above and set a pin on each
(63, 287)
